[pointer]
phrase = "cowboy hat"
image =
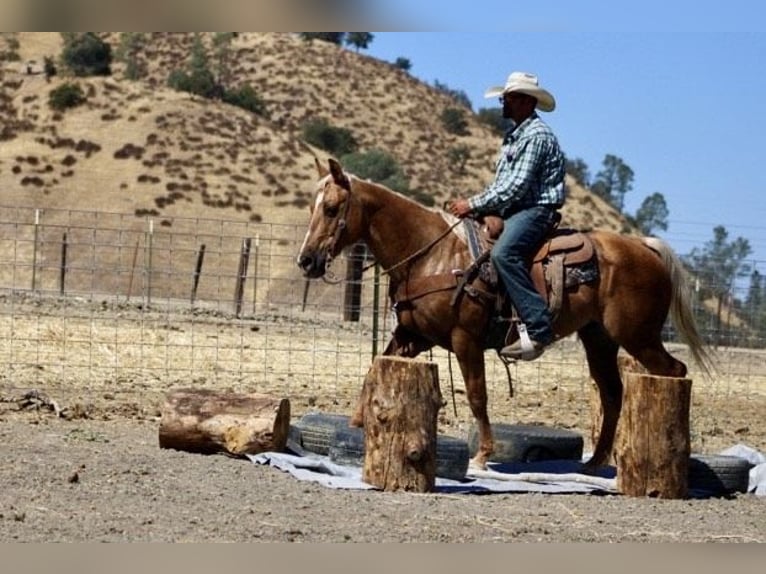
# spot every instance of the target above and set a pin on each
(525, 83)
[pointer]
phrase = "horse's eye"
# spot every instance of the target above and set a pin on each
(331, 210)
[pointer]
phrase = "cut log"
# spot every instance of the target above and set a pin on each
(653, 447)
(398, 408)
(208, 422)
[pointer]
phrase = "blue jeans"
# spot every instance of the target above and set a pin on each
(522, 235)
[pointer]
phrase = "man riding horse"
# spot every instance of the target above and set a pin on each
(527, 192)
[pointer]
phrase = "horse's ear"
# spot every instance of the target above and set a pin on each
(322, 170)
(338, 176)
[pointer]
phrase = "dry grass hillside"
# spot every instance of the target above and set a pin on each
(143, 148)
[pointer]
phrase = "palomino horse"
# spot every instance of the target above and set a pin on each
(639, 282)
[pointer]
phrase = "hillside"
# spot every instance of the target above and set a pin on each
(142, 148)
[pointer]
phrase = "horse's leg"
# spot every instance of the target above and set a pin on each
(404, 343)
(655, 358)
(601, 352)
(470, 357)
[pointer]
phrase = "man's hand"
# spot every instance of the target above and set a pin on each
(459, 208)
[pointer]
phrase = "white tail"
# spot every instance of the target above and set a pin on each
(680, 308)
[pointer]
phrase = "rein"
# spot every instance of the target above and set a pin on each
(417, 253)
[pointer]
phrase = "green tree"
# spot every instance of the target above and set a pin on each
(403, 64)
(614, 181)
(755, 303)
(49, 67)
(129, 52)
(578, 169)
(718, 265)
(332, 37)
(197, 78)
(85, 54)
(652, 215)
(359, 40)
(222, 51)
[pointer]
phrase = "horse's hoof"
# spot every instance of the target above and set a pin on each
(474, 464)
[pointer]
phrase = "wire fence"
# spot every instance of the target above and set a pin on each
(110, 307)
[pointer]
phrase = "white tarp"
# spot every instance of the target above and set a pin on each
(553, 476)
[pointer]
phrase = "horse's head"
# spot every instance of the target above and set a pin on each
(334, 224)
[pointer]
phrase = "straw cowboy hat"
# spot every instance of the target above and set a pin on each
(524, 83)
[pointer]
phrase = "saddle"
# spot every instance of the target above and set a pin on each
(566, 259)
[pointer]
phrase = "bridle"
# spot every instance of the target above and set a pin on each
(341, 227)
(328, 276)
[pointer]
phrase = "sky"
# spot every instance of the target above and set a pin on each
(680, 104)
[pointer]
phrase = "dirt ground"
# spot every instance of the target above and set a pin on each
(86, 480)
(96, 473)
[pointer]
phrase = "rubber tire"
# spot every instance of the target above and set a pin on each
(451, 452)
(318, 430)
(295, 441)
(719, 474)
(529, 443)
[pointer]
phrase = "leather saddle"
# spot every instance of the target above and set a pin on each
(565, 259)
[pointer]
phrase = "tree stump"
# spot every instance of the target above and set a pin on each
(208, 422)
(653, 447)
(398, 408)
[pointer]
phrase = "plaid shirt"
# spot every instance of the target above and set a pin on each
(529, 172)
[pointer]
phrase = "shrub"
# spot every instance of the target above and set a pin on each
(332, 37)
(458, 157)
(382, 168)
(454, 121)
(337, 141)
(493, 118)
(201, 83)
(459, 96)
(246, 98)
(66, 96)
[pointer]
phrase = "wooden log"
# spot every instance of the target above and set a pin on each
(207, 422)
(653, 446)
(398, 408)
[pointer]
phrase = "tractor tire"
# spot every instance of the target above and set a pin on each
(719, 474)
(451, 453)
(318, 430)
(529, 443)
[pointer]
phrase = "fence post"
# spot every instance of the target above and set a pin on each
(197, 272)
(62, 274)
(149, 245)
(353, 294)
(244, 258)
(375, 310)
(255, 270)
(34, 250)
(133, 268)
